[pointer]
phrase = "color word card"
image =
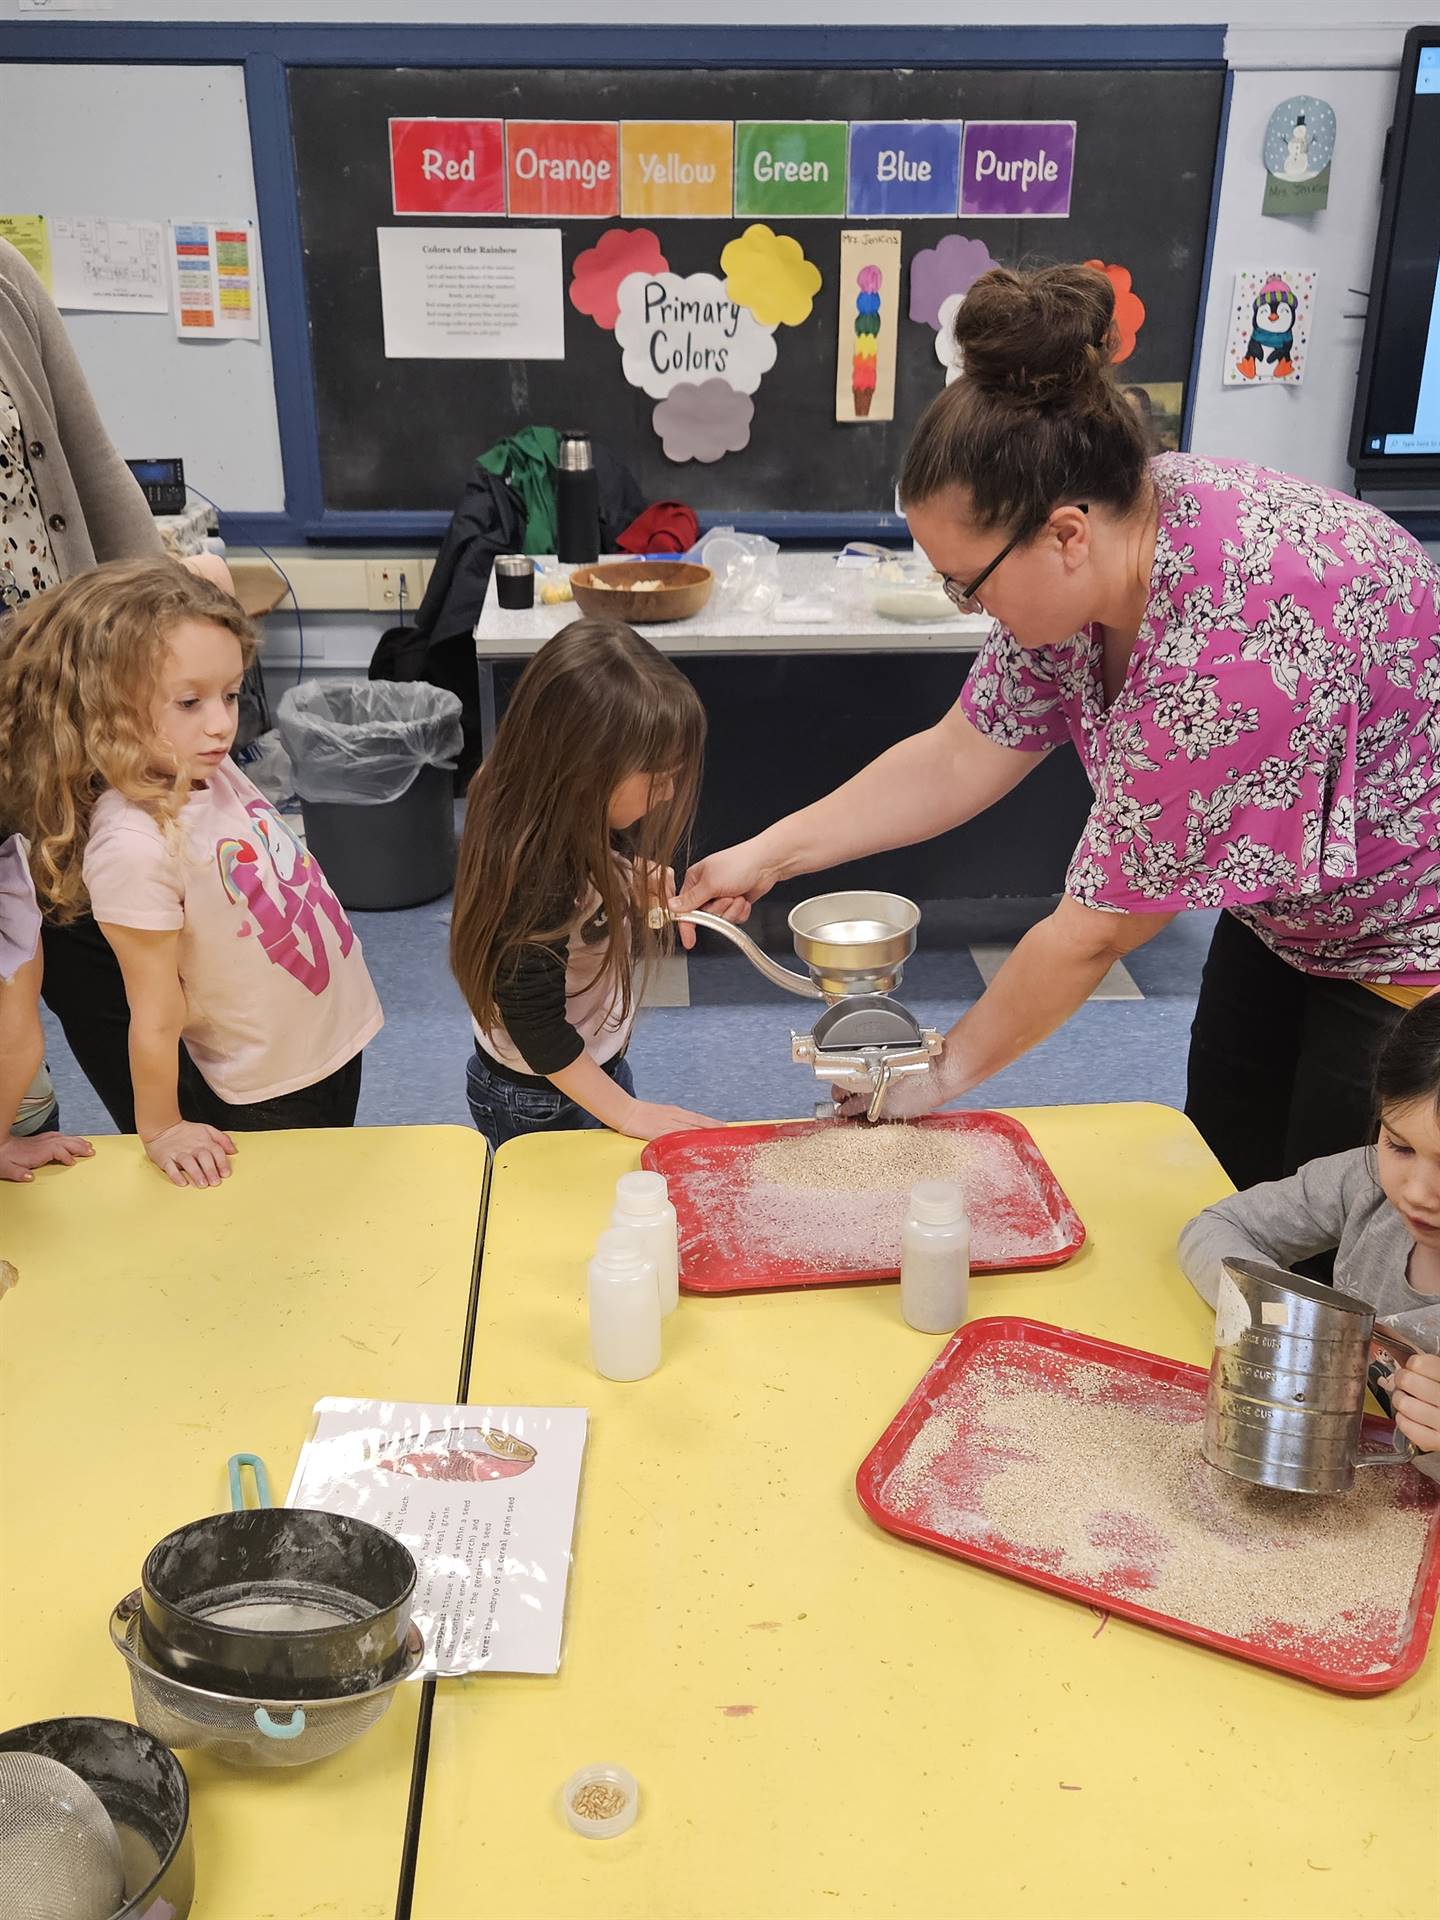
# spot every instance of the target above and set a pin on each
(447, 166)
(793, 168)
(563, 168)
(676, 168)
(904, 169)
(1017, 168)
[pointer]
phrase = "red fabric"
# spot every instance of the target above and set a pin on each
(667, 527)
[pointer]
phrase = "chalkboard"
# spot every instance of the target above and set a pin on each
(402, 434)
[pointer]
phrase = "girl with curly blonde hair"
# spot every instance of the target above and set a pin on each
(118, 703)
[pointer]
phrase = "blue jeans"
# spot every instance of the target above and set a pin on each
(503, 1111)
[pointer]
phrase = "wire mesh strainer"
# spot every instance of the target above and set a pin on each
(248, 1732)
(59, 1851)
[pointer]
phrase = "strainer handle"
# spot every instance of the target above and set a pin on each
(238, 1463)
(274, 1730)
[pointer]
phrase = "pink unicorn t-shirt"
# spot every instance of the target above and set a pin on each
(276, 991)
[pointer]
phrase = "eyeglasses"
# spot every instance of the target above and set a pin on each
(965, 597)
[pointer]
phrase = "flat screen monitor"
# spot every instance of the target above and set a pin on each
(1395, 435)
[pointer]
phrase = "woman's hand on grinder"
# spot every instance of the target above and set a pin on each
(726, 884)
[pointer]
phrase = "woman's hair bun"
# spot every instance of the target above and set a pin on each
(1037, 338)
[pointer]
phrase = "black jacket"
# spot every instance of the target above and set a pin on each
(488, 520)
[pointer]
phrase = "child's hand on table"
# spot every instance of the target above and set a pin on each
(1416, 1400)
(20, 1155)
(647, 1120)
(192, 1154)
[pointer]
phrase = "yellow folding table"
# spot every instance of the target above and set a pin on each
(155, 1332)
(825, 1721)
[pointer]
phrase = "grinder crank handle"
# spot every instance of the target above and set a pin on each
(777, 975)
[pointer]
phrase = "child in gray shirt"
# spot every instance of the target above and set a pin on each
(1378, 1207)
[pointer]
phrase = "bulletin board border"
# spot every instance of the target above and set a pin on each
(268, 50)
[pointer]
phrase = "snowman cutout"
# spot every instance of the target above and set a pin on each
(1297, 153)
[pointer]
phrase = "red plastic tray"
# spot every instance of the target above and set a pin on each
(1376, 1657)
(1018, 1223)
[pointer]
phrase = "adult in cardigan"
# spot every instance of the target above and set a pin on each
(67, 500)
(1249, 668)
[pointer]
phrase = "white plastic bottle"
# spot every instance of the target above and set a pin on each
(935, 1257)
(624, 1307)
(643, 1205)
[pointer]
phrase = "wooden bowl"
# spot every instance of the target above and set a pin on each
(607, 592)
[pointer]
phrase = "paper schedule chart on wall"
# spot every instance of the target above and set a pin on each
(676, 168)
(447, 166)
(462, 293)
(869, 311)
(792, 168)
(904, 169)
(1017, 169)
(213, 266)
(563, 169)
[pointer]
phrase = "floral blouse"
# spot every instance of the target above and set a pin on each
(27, 566)
(1273, 749)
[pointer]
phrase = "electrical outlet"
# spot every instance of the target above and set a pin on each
(382, 585)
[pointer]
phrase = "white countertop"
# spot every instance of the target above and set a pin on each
(722, 628)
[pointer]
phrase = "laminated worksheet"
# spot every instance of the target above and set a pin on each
(484, 1498)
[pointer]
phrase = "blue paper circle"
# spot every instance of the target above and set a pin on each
(868, 303)
(1319, 126)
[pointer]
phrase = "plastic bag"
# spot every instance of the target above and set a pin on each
(266, 763)
(362, 742)
(746, 567)
(454, 1484)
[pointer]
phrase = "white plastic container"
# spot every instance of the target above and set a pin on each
(643, 1205)
(617, 1785)
(935, 1257)
(624, 1307)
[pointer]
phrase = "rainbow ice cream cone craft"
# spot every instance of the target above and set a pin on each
(867, 339)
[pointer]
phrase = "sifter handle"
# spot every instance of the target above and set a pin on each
(238, 1463)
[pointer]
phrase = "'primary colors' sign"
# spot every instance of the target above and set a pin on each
(673, 328)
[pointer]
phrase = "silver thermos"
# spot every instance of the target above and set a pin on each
(577, 503)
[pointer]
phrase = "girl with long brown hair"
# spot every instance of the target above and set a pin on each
(571, 826)
(118, 701)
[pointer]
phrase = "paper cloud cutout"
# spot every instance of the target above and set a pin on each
(684, 328)
(939, 272)
(947, 348)
(1129, 309)
(768, 274)
(703, 421)
(597, 273)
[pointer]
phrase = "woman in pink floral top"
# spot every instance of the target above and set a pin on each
(1249, 668)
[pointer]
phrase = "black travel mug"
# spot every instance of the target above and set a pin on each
(577, 503)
